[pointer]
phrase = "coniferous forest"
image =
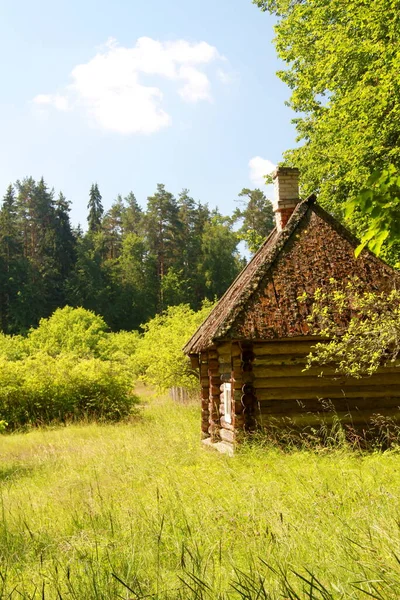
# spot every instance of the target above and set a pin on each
(129, 264)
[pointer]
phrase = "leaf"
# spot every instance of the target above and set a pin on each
(359, 249)
(376, 244)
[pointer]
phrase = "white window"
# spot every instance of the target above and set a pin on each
(227, 392)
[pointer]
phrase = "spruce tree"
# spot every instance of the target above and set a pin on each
(192, 216)
(37, 297)
(95, 208)
(220, 259)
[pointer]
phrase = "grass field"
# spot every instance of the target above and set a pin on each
(141, 510)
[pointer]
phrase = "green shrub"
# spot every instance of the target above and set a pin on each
(119, 346)
(159, 359)
(42, 389)
(69, 330)
(70, 367)
(13, 347)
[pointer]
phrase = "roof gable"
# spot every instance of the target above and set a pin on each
(262, 303)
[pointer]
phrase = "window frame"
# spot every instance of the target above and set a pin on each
(227, 398)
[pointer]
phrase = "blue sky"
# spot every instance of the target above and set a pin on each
(133, 93)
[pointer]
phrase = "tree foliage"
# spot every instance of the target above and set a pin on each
(343, 69)
(362, 329)
(159, 359)
(95, 208)
(379, 203)
(69, 331)
(256, 217)
(130, 264)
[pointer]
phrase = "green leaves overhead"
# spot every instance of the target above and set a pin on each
(380, 202)
(362, 328)
(343, 70)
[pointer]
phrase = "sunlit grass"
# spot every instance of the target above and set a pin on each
(90, 511)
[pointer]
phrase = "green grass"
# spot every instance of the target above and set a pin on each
(89, 511)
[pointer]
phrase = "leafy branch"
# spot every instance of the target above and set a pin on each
(380, 203)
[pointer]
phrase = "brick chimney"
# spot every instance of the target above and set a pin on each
(286, 197)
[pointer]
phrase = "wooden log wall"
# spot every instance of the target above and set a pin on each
(248, 398)
(235, 366)
(214, 395)
(287, 394)
(205, 395)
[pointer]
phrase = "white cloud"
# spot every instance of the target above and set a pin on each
(197, 86)
(258, 168)
(59, 102)
(225, 77)
(112, 88)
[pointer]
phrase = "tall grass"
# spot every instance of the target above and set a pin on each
(141, 510)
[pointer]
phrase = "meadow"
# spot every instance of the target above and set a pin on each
(140, 509)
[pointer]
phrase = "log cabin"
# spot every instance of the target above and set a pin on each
(251, 350)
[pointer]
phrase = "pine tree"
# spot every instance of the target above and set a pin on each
(220, 262)
(44, 223)
(8, 216)
(25, 202)
(65, 244)
(163, 230)
(132, 218)
(257, 217)
(88, 285)
(95, 208)
(36, 219)
(193, 217)
(113, 228)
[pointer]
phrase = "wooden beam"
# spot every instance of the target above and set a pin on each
(228, 349)
(288, 393)
(287, 348)
(321, 383)
(298, 370)
(283, 407)
(194, 361)
(314, 420)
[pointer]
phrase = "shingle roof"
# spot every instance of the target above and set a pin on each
(245, 289)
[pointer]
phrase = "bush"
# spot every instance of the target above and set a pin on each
(159, 359)
(69, 330)
(119, 347)
(67, 369)
(70, 367)
(43, 389)
(13, 347)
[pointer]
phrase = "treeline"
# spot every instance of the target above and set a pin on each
(129, 265)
